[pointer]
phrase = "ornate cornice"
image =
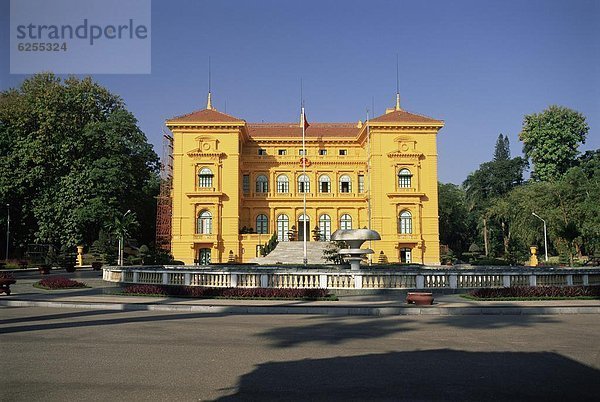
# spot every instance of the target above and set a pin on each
(199, 153)
(405, 155)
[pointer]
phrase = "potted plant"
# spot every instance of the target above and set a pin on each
(48, 261)
(6, 279)
(67, 261)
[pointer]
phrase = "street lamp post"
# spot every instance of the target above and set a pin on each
(7, 228)
(545, 236)
(121, 238)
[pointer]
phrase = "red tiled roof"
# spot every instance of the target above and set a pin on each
(205, 116)
(402, 116)
(314, 130)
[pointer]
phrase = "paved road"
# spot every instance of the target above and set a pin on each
(75, 355)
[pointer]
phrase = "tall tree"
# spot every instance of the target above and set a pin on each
(491, 181)
(502, 150)
(551, 140)
(457, 228)
(71, 158)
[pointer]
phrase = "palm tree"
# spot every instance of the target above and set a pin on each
(121, 227)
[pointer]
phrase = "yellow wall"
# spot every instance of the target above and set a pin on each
(230, 153)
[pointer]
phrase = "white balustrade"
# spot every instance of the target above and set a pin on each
(364, 279)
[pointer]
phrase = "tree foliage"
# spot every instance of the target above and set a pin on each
(457, 226)
(551, 140)
(72, 158)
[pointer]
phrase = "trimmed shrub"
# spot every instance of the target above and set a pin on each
(59, 282)
(200, 292)
(536, 292)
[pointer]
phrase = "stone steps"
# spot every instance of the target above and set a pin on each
(292, 252)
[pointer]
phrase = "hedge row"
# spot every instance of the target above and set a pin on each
(195, 291)
(536, 291)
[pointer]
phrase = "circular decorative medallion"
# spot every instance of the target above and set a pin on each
(304, 162)
(206, 146)
(404, 147)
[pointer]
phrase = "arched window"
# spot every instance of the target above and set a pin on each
(283, 226)
(345, 184)
(204, 225)
(404, 178)
(205, 178)
(324, 184)
(345, 222)
(325, 227)
(262, 184)
(303, 184)
(283, 184)
(262, 224)
(405, 222)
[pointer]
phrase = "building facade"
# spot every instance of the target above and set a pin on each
(236, 184)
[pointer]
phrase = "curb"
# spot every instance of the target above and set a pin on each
(336, 311)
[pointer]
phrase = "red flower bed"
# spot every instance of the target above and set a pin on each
(60, 282)
(537, 291)
(195, 291)
(7, 276)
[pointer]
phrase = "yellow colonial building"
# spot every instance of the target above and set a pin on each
(235, 184)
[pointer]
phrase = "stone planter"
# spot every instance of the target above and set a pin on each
(419, 298)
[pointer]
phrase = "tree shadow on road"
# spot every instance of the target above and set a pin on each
(441, 374)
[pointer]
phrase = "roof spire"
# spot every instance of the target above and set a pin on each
(397, 85)
(208, 101)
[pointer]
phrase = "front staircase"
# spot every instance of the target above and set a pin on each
(292, 252)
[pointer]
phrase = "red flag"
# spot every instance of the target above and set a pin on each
(305, 122)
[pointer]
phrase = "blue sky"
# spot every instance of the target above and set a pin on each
(478, 65)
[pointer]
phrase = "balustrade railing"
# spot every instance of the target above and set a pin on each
(330, 279)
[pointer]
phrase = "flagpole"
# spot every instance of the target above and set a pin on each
(369, 183)
(305, 260)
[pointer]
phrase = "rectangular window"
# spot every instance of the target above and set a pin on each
(343, 152)
(302, 152)
(246, 183)
(361, 183)
(322, 152)
(262, 151)
(282, 152)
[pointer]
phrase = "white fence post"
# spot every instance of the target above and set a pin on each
(323, 281)
(165, 278)
(136, 276)
(358, 281)
(585, 279)
(264, 280)
(420, 282)
(532, 280)
(187, 279)
(569, 280)
(453, 281)
(234, 280)
(506, 280)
